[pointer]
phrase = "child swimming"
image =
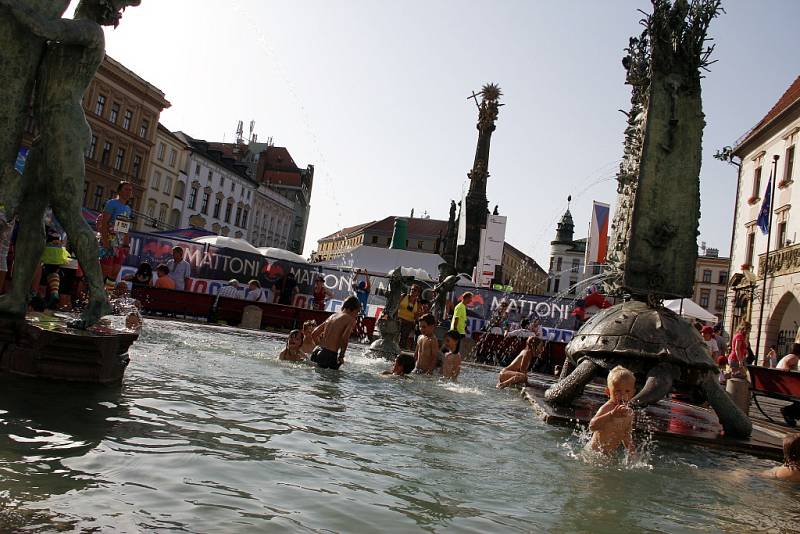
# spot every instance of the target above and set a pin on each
(517, 371)
(790, 470)
(427, 345)
(403, 365)
(613, 423)
(308, 336)
(451, 363)
(334, 334)
(293, 351)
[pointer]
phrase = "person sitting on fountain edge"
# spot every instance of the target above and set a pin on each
(790, 470)
(334, 334)
(427, 349)
(403, 365)
(517, 371)
(613, 423)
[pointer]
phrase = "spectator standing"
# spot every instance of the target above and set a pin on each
(143, 277)
(407, 313)
(287, 290)
(230, 290)
(164, 280)
(361, 290)
(739, 344)
(255, 293)
(708, 336)
(179, 269)
(523, 330)
(114, 224)
(771, 359)
(459, 320)
(320, 294)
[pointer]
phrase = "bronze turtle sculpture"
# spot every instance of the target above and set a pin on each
(663, 350)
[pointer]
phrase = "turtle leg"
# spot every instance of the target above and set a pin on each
(732, 419)
(656, 387)
(567, 388)
(567, 368)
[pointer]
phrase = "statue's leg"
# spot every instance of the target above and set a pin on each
(30, 238)
(566, 389)
(657, 386)
(10, 193)
(732, 419)
(66, 193)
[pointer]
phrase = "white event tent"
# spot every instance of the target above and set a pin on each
(379, 261)
(690, 309)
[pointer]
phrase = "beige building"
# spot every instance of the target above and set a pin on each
(521, 272)
(777, 134)
(167, 169)
(711, 282)
(123, 111)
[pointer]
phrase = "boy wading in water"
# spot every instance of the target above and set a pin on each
(293, 351)
(517, 371)
(451, 363)
(334, 334)
(427, 345)
(613, 423)
(403, 364)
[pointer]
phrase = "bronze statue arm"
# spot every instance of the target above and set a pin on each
(80, 32)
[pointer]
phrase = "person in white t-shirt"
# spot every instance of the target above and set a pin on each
(255, 293)
(523, 330)
(708, 336)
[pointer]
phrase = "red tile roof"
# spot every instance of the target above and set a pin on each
(344, 232)
(791, 96)
(416, 227)
(278, 158)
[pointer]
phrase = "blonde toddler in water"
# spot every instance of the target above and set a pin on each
(613, 423)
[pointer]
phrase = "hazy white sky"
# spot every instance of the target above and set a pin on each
(374, 94)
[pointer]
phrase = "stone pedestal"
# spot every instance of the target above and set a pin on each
(251, 317)
(739, 390)
(388, 345)
(45, 347)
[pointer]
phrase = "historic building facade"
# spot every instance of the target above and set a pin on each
(775, 311)
(214, 192)
(167, 168)
(273, 219)
(567, 256)
(123, 111)
(521, 272)
(711, 282)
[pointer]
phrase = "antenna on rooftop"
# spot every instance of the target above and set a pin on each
(239, 132)
(252, 136)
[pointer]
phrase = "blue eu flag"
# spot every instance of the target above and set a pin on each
(763, 215)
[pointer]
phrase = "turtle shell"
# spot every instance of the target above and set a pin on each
(643, 335)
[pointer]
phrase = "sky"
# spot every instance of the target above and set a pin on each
(374, 94)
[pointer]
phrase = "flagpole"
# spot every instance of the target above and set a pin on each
(774, 178)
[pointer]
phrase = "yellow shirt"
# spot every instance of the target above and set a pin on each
(460, 315)
(404, 313)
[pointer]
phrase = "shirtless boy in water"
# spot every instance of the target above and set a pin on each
(334, 334)
(427, 346)
(517, 371)
(790, 470)
(293, 351)
(451, 362)
(613, 423)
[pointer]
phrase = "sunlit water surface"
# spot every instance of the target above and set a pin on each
(209, 433)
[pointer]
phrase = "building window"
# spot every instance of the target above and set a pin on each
(120, 159)
(558, 264)
(723, 277)
(180, 189)
(233, 187)
(162, 213)
(112, 118)
(100, 106)
(155, 183)
(126, 119)
(136, 167)
(573, 284)
(756, 183)
(720, 300)
(92, 150)
(172, 155)
(105, 158)
(244, 218)
(210, 177)
(204, 203)
(575, 265)
(238, 216)
(374, 240)
(167, 185)
(217, 207)
(787, 170)
(97, 203)
(192, 198)
(751, 243)
(556, 283)
(143, 128)
(161, 150)
(707, 276)
(420, 244)
(151, 209)
(781, 235)
(704, 296)
(228, 209)
(221, 181)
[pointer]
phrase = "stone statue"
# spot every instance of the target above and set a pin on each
(21, 52)
(397, 286)
(54, 173)
(441, 290)
(654, 232)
